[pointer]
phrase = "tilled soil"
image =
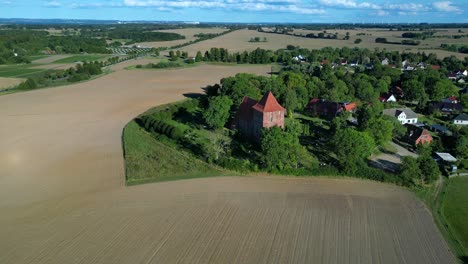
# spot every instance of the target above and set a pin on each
(63, 199)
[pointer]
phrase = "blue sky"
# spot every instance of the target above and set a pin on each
(301, 11)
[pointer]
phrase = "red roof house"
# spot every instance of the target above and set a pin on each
(417, 135)
(321, 107)
(253, 116)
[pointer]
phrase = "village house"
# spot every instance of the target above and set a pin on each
(387, 98)
(461, 119)
(397, 92)
(451, 99)
(329, 109)
(404, 115)
(253, 116)
(445, 108)
(417, 135)
(440, 129)
(385, 61)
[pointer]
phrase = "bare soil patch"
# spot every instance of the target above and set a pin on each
(187, 32)
(230, 220)
(9, 82)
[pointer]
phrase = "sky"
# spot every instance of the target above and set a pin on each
(248, 11)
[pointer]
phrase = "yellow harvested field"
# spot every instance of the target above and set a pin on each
(238, 41)
(9, 82)
(63, 199)
(187, 32)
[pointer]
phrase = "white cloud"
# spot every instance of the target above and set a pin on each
(409, 7)
(291, 6)
(382, 13)
(349, 4)
(53, 4)
(446, 6)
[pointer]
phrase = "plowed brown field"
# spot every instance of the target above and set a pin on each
(63, 200)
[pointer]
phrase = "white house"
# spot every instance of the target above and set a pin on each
(385, 61)
(461, 119)
(404, 115)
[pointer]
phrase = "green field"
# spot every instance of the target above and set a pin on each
(22, 71)
(82, 58)
(150, 160)
(455, 210)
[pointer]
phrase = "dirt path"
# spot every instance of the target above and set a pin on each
(62, 198)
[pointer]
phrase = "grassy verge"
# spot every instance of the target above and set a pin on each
(149, 160)
(454, 210)
(449, 207)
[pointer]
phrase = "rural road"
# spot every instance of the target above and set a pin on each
(63, 199)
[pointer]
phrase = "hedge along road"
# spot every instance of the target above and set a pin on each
(63, 200)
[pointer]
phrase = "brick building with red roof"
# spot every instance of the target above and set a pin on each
(253, 116)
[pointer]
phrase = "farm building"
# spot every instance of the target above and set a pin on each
(404, 115)
(253, 116)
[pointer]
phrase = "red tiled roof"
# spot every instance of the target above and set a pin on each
(268, 103)
(350, 107)
(435, 67)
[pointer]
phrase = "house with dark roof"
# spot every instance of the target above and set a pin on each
(445, 108)
(253, 116)
(461, 119)
(440, 129)
(404, 115)
(397, 92)
(417, 135)
(329, 109)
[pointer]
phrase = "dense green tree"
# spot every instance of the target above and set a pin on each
(409, 170)
(464, 100)
(352, 148)
(429, 169)
(381, 130)
(414, 91)
(290, 100)
(281, 150)
(199, 57)
(442, 89)
(217, 113)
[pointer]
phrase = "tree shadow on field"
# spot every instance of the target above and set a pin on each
(464, 259)
(193, 95)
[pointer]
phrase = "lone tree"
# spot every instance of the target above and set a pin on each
(217, 113)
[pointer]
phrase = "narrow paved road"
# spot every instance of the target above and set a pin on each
(63, 200)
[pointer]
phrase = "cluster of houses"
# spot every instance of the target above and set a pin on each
(253, 116)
